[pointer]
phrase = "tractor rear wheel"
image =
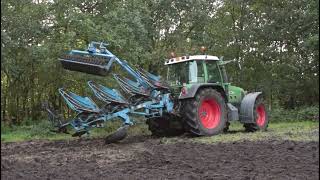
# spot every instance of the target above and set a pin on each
(261, 117)
(206, 114)
(165, 126)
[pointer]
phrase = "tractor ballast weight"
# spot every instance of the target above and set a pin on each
(195, 97)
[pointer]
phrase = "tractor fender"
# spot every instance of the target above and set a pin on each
(191, 92)
(247, 107)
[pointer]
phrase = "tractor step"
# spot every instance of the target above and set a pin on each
(87, 64)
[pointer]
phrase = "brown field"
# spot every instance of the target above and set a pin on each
(144, 157)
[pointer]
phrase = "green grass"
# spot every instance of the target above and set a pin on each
(41, 131)
(296, 131)
(29, 132)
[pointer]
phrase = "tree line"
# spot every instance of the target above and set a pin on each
(275, 42)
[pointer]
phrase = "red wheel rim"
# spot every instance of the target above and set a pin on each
(261, 115)
(209, 113)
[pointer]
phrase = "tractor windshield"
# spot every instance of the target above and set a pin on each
(185, 72)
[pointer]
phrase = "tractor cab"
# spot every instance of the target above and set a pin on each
(193, 69)
(186, 74)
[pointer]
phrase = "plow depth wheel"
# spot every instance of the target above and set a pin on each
(206, 114)
(260, 115)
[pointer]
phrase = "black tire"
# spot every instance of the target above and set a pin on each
(165, 126)
(118, 135)
(256, 126)
(195, 123)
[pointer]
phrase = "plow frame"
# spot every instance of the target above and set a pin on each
(84, 120)
(149, 97)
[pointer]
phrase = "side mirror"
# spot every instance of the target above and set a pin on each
(221, 62)
(239, 65)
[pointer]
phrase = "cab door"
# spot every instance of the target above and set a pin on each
(213, 72)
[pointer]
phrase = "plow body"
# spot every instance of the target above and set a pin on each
(148, 95)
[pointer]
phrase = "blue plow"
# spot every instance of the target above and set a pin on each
(145, 94)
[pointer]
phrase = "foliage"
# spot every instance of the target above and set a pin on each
(298, 114)
(276, 43)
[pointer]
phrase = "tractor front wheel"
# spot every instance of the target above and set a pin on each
(260, 116)
(206, 114)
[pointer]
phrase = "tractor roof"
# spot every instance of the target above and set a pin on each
(191, 58)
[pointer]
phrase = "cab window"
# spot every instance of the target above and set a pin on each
(213, 72)
(196, 74)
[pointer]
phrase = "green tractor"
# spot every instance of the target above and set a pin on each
(205, 101)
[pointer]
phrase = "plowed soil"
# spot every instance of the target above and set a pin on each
(148, 158)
